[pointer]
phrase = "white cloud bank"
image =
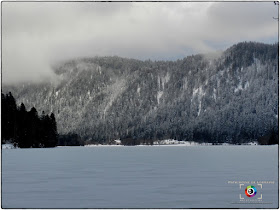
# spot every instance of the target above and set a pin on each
(36, 34)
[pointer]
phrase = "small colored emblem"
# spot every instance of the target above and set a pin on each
(250, 191)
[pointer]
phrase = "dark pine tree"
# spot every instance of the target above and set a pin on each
(4, 118)
(26, 129)
(23, 138)
(11, 116)
(53, 131)
(273, 138)
(44, 121)
(34, 126)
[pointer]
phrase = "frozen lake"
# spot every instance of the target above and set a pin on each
(140, 177)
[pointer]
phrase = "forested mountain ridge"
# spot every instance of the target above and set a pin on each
(230, 97)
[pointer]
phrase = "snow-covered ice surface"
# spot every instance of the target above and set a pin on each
(138, 177)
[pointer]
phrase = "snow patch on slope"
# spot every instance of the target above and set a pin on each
(198, 93)
(185, 83)
(115, 90)
(159, 95)
(242, 87)
(215, 94)
(163, 80)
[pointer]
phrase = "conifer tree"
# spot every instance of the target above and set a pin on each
(26, 129)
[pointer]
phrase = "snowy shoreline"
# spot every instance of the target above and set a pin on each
(169, 145)
(172, 142)
(163, 143)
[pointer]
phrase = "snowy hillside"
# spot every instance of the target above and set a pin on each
(232, 97)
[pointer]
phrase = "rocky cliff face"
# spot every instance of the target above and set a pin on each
(231, 97)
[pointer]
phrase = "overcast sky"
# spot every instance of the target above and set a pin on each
(37, 34)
